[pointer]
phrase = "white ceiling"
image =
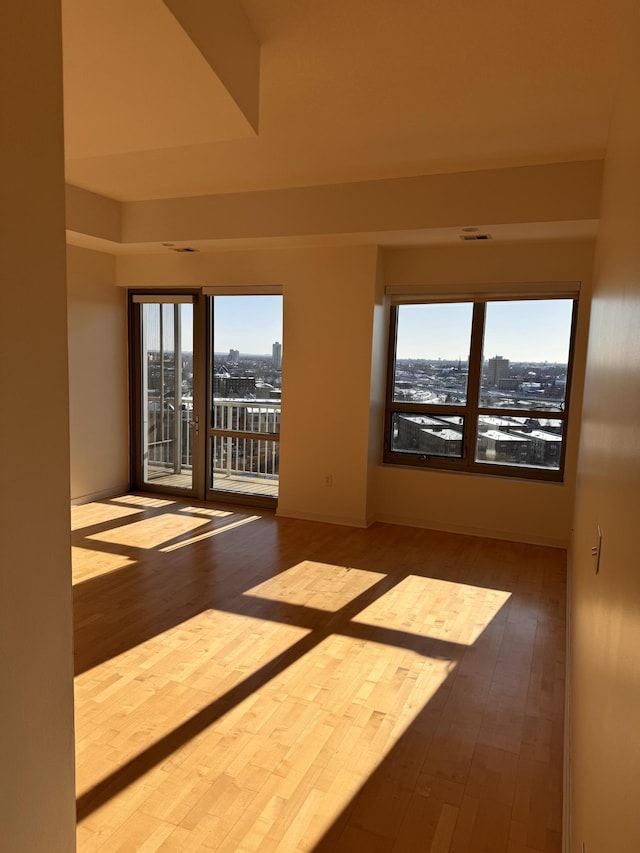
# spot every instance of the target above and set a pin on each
(350, 90)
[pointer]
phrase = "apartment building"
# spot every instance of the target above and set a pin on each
(532, 136)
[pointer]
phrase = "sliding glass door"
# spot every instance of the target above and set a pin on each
(245, 386)
(187, 349)
(167, 417)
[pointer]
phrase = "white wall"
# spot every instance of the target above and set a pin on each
(605, 637)
(37, 802)
(528, 511)
(98, 380)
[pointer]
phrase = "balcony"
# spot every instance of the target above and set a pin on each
(238, 462)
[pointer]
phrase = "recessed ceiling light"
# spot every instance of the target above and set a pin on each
(470, 229)
(168, 245)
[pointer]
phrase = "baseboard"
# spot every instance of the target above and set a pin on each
(283, 512)
(101, 495)
(481, 532)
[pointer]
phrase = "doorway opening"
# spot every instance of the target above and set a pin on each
(206, 378)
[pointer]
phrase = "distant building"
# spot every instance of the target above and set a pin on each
(234, 356)
(545, 448)
(493, 422)
(276, 353)
(497, 446)
(411, 427)
(264, 391)
(432, 436)
(497, 369)
(443, 442)
(233, 386)
(509, 384)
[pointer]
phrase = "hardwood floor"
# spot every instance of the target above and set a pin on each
(247, 683)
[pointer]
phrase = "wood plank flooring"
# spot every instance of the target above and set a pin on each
(246, 683)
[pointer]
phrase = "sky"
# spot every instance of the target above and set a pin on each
(534, 330)
(251, 324)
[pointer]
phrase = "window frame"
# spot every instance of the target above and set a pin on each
(471, 411)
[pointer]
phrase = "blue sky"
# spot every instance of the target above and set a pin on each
(250, 324)
(531, 330)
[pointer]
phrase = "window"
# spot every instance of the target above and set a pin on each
(480, 385)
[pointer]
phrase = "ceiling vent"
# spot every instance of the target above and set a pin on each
(473, 238)
(184, 249)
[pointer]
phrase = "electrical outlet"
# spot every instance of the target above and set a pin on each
(328, 479)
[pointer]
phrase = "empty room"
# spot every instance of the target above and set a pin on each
(322, 426)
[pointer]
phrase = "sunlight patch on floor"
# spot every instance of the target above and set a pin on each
(224, 528)
(88, 563)
(319, 585)
(205, 511)
(86, 515)
(436, 609)
(142, 500)
(315, 731)
(149, 533)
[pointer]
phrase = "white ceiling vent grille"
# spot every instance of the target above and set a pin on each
(474, 238)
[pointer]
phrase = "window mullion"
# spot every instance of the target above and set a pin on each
(474, 382)
(391, 369)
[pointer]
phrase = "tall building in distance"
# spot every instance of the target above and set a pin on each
(234, 356)
(276, 352)
(497, 369)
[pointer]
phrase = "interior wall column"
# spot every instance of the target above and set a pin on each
(37, 804)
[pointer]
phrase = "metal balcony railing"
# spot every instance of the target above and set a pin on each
(235, 452)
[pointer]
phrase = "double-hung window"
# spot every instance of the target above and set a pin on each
(480, 383)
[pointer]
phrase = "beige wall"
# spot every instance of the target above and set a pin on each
(489, 506)
(560, 192)
(98, 382)
(37, 804)
(334, 358)
(329, 297)
(605, 637)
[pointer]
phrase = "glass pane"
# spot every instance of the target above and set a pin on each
(246, 348)
(167, 394)
(526, 350)
(427, 435)
(246, 388)
(167, 389)
(432, 353)
(244, 465)
(529, 442)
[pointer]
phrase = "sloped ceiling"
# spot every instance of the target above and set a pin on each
(349, 90)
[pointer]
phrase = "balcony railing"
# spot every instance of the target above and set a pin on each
(170, 439)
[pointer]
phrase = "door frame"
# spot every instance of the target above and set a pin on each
(137, 481)
(220, 495)
(202, 394)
